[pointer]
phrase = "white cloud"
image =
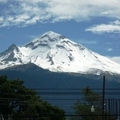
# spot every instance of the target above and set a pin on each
(1, 19)
(112, 27)
(57, 10)
(115, 59)
(109, 49)
(3, 1)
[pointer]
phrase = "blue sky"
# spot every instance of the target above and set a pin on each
(92, 23)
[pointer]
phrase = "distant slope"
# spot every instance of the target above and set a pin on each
(36, 77)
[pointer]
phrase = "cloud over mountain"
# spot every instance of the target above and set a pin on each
(26, 12)
(112, 27)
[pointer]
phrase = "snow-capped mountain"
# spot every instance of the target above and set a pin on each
(59, 54)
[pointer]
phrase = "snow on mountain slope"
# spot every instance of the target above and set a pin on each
(10, 57)
(57, 53)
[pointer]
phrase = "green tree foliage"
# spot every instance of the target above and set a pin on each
(83, 107)
(24, 104)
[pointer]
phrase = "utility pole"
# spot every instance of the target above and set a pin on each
(103, 99)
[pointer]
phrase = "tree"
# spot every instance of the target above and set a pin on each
(83, 107)
(24, 103)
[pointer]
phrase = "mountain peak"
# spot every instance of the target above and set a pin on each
(52, 35)
(12, 47)
(57, 53)
(50, 32)
(46, 39)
